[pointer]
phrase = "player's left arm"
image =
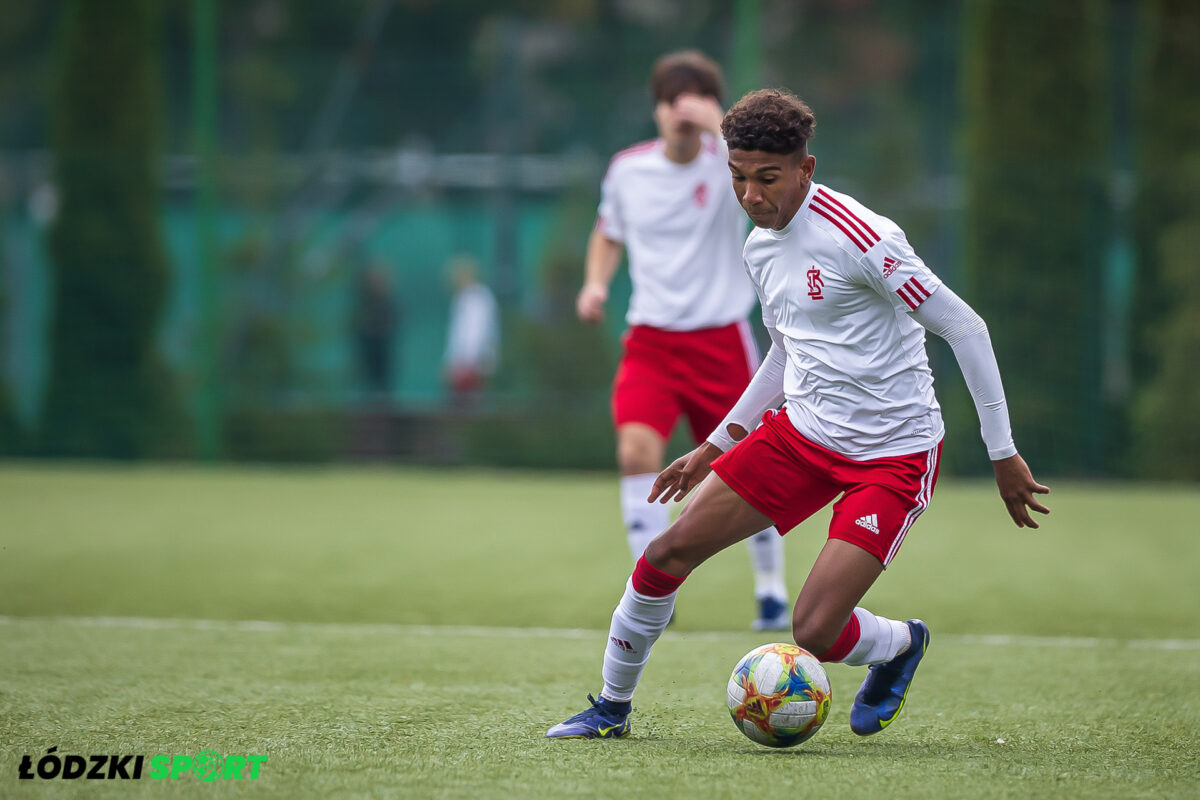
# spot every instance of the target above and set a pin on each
(947, 315)
(897, 273)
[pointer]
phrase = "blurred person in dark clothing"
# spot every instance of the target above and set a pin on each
(376, 317)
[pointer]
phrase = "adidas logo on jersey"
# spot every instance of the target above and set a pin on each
(870, 522)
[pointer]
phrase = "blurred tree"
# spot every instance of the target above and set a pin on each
(1035, 199)
(109, 394)
(869, 139)
(25, 28)
(1166, 425)
(24, 79)
(8, 425)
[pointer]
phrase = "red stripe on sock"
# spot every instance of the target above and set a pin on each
(652, 581)
(845, 643)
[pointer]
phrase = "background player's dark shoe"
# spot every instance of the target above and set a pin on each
(606, 719)
(881, 696)
(773, 615)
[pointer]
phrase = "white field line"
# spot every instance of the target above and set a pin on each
(255, 626)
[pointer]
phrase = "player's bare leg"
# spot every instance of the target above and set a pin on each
(640, 449)
(715, 518)
(828, 622)
(839, 578)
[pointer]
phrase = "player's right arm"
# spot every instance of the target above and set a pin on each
(603, 259)
(703, 112)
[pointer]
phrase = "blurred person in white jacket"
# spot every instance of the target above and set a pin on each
(473, 335)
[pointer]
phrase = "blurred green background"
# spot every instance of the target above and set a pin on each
(191, 192)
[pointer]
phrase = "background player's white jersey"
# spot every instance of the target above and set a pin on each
(683, 230)
(838, 282)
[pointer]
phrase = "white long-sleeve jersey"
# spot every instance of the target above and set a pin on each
(473, 336)
(847, 303)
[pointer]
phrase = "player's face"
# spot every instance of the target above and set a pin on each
(673, 126)
(770, 186)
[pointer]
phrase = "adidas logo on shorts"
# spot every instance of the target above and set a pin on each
(870, 522)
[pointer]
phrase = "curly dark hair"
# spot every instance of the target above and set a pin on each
(686, 71)
(771, 120)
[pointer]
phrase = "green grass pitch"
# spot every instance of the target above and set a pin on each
(412, 633)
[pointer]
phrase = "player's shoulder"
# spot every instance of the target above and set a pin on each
(758, 235)
(759, 242)
(634, 155)
(854, 226)
(712, 148)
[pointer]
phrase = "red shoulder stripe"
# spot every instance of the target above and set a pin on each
(634, 149)
(840, 226)
(849, 215)
(822, 202)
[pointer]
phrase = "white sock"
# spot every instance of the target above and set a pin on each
(643, 520)
(766, 554)
(880, 639)
(637, 623)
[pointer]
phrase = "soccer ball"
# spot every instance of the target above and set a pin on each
(779, 695)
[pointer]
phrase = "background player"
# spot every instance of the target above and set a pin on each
(688, 350)
(847, 303)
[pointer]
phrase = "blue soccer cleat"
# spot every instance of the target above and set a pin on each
(881, 697)
(606, 719)
(773, 615)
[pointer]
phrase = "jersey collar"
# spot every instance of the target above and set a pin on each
(786, 229)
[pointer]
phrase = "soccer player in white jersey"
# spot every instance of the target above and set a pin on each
(847, 303)
(688, 350)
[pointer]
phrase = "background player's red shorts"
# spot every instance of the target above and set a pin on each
(789, 478)
(698, 374)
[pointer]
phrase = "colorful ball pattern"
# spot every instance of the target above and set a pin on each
(779, 695)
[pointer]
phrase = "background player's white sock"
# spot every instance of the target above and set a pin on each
(766, 554)
(880, 639)
(636, 625)
(643, 521)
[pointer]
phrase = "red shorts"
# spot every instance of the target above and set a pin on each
(466, 379)
(698, 374)
(789, 478)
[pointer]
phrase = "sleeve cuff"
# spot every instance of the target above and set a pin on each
(1002, 453)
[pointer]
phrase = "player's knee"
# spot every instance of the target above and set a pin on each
(813, 635)
(635, 458)
(639, 450)
(668, 554)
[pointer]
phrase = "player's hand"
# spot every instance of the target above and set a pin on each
(1017, 488)
(703, 112)
(684, 474)
(589, 305)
